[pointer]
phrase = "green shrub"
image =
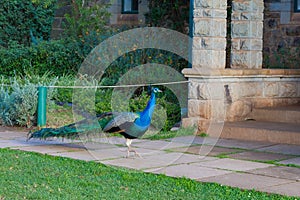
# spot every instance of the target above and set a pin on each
(18, 17)
(283, 58)
(19, 106)
(85, 28)
(18, 103)
(64, 95)
(7, 108)
(138, 57)
(60, 57)
(87, 17)
(161, 15)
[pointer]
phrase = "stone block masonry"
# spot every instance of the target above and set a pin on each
(246, 34)
(216, 94)
(209, 19)
(281, 35)
(231, 95)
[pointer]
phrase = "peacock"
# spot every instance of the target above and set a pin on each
(131, 125)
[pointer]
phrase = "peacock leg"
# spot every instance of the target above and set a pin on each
(130, 149)
(128, 143)
(136, 153)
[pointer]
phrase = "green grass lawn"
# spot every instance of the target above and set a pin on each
(26, 175)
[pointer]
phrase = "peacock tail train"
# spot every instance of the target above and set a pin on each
(75, 129)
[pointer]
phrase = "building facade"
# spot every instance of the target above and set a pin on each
(218, 94)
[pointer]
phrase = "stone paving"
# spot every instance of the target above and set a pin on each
(243, 164)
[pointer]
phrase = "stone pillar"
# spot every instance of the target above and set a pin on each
(209, 34)
(206, 94)
(246, 34)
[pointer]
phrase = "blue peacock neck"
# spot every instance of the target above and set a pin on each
(146, 114)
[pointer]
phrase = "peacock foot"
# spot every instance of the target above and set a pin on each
(136, 154)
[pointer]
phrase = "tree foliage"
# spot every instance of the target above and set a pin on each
(87, 16)
(173, 14)
(20, 17)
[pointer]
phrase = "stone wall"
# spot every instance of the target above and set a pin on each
(246, 34)
(209, 37)
(281, 34)
(231, 94)
(216, 94)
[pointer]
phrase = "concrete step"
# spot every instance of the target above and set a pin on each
(276, 132)
(288, 114)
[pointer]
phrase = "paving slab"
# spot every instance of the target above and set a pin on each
(111, 153)
(159, 145)
(98, 146)
(189, 171)
(206, 150)
(193, 139)
(234, 165)
(156, 161)
(78, 155)
(5, 145)
(46, 149)
(246, 181)
(48, 141)
(100, 154)
(78, 145)
(121, 152)
(295, 161)
(16, 143)
(289, 189)
(242, 144)
(282, 148)
(259, 156)
(12, 135)
(113, 140)
(136, 162)
(283, 172)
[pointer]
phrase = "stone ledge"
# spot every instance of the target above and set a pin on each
(192, 72)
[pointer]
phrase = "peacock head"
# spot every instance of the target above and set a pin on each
(156, 90)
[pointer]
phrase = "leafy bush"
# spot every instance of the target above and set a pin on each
(139, 57)
(7, 110)
(85, 28)
(19, 17)
(161, 15)
(18, 103)
(60, 57)
(87, 17)
(19, 106)
(64, 95)
(283, 58)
